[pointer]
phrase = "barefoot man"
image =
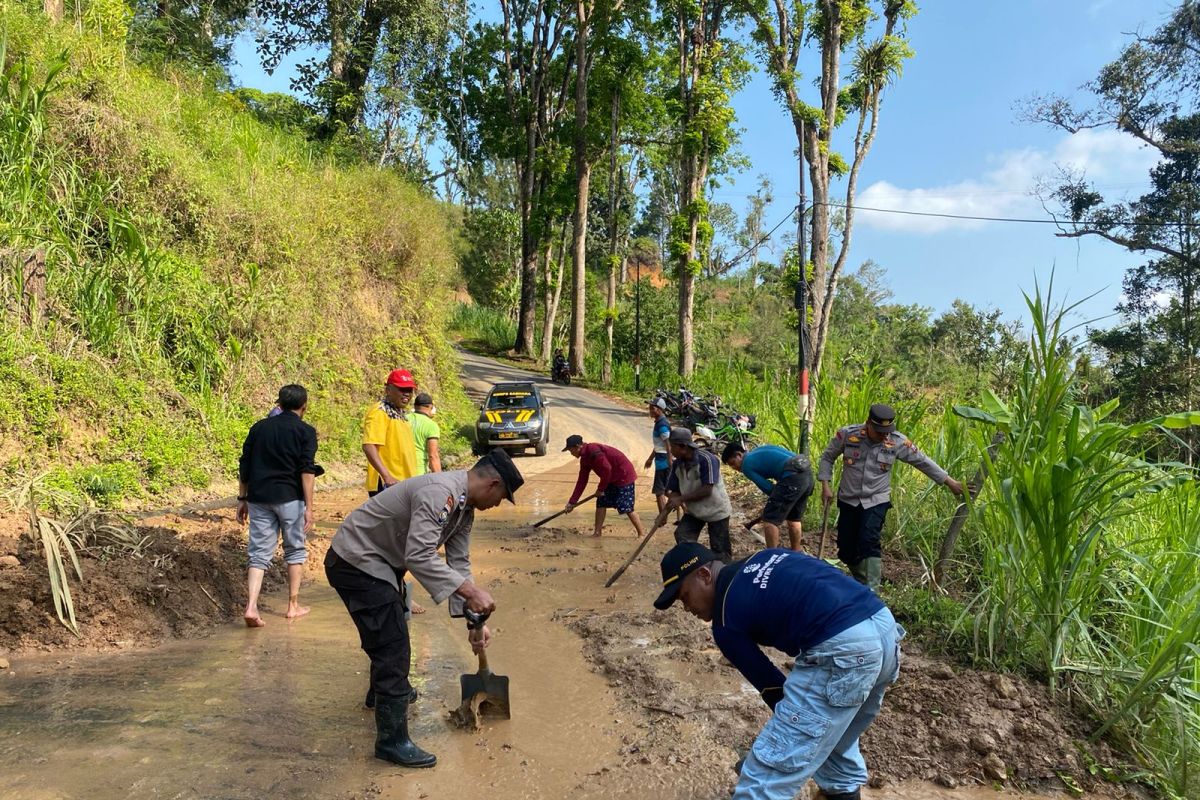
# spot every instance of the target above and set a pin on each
(275, 492)
(616, 475)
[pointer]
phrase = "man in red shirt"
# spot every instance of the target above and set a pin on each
(616, 476)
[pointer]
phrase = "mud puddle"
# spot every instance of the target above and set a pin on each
(610, 699)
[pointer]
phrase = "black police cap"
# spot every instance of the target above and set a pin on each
(510, 476)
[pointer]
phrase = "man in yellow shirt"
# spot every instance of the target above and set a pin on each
(387, 437)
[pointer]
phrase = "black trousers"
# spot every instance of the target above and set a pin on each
(377, 609)
(688, 530)
(789, 498)
(859, 532)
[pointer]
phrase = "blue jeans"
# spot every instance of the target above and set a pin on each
(831, 696)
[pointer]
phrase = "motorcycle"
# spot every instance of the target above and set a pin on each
(560, 372)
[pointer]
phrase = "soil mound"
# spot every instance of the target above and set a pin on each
(188, 577)
(950, 726)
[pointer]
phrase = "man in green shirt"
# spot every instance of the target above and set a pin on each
(425, 435)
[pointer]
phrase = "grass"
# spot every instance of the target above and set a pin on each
(1080, 560)
(167, 253)
(1088, 568)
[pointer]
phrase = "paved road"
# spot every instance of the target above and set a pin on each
(571, 409)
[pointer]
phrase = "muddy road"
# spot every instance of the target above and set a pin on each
(610, 698)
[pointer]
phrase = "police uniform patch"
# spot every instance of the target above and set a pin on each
(854, 440)
(445, 515)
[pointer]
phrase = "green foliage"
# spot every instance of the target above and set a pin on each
(491, 257)
(1072, 582)
(483, 328)
(169, 254)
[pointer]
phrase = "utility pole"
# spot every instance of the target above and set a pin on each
(637, 330)
(801, 303)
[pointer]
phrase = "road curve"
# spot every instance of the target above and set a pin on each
(571, 410)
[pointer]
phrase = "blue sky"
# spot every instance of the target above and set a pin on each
(950, 142)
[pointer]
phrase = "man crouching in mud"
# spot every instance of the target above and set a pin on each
(400, 530)
(845, 643)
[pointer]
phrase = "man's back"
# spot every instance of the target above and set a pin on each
(785, 600)
(402, 527)
(620, 468)
(276, 450)
(765, 463)
(424, 429)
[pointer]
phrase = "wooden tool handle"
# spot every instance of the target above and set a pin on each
(483, 665)
(641, 545)
(558, 514)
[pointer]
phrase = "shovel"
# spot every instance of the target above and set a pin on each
(658, 523)
(483, 694)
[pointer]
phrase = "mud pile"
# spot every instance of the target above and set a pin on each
(189, 577)
(953, 727)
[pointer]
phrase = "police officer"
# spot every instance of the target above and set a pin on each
(400, 530)
(868, 453)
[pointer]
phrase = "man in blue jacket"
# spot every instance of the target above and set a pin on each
(785, 478)
(843, 639)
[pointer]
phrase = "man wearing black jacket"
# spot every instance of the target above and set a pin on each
(275, 492)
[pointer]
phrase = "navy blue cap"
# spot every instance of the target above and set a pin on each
(574, 440)
(680, 561)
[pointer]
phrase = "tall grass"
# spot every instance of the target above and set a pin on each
(482, 327)
(1088, 566)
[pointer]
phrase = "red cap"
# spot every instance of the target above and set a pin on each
(401, 379)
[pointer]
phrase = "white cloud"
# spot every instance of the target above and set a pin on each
(1109, 159)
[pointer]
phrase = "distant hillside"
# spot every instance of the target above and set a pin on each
(168, 260)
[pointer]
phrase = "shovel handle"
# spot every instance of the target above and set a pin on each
(558, 514)
(483, 664)
(824, 529)
(620, 570)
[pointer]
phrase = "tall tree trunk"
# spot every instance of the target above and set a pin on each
(553, 296)
(614, 205)
(349, 95)
(583, 178)
(56, 9)
(528, 304)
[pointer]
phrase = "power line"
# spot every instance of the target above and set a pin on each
(1021, 220)
(733, 261)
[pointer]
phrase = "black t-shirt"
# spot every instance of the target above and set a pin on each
(276, 452)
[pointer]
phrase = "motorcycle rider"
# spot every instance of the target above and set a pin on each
(559, 365)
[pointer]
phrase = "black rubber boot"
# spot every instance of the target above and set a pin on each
(392, 742)
(369, 701)
(855, 795)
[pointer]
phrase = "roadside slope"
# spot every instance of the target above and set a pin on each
(172, 255)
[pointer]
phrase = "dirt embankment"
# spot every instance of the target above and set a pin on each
(190, 575)
(941, 723)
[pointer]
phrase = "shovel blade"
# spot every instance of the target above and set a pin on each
(494, 688)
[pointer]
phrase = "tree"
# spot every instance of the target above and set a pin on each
(200, 34)
(781, 30)
(351, 38)
(1152, 93)
(709, 67)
